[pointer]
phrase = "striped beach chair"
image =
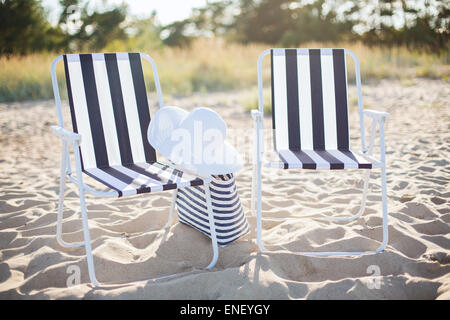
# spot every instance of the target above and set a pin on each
(310, 125)
(110, 116)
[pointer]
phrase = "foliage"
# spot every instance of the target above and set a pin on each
(95, 29)
(216, 65)
(216, 47)
(417, 25)
(24, 28)
(422, 25)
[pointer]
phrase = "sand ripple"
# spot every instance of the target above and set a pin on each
(129, 245)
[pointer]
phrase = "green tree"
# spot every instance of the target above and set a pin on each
(262, 21)
(421, 24)
(142, 35)
(213, 19)
(312, 22)
(93, 30)
(288, 22)
(177, 33)
(24, 28)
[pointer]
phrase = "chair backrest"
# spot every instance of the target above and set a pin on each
(309, 99)
(109, 108)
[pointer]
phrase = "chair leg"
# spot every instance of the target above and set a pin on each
(253, 199)
(172, 209)
(212, 228)
(259, 208)
(383, 189)
(62, 188)
(362, 206)
(87, 240)
(84, 219)
(384, 224)
(385, 210)
(329, 254)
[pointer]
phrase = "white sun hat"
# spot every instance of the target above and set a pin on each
(194, 141)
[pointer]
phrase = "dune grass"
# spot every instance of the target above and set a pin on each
(26, 78)
(215, 65)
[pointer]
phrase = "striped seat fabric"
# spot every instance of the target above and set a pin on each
(229, 218)
(109, 108)
(142, 177)
(309, 110)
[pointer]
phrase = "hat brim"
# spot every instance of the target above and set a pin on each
(230, 162)
(167, 119)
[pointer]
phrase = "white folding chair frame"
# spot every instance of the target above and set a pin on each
(71, 139)
(378, 119)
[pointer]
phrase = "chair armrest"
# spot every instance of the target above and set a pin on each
(377, 115)
(66, 135)
(378, 118)
(257, 115)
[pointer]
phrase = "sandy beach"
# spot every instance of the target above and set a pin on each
(129, 245)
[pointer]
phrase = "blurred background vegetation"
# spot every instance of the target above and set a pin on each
(216, 48)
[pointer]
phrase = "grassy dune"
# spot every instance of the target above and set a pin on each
(212, 65)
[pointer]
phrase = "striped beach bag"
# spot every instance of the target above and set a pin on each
(230, 220)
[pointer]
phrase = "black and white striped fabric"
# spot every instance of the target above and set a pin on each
(109, 108)
(229, 217)
(309, 110)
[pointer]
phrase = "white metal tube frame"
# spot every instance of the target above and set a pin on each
(378, 119)
(71, 139)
